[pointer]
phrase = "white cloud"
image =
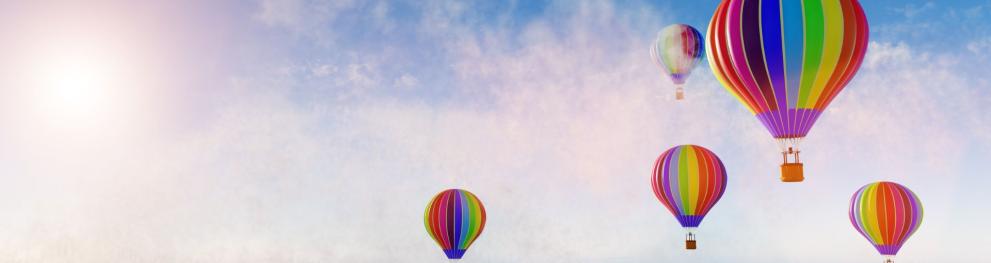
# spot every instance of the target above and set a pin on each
(323, 70)
(980, 46)
(589, 114)
(280, 13)
(889, 54)
(913, 10)
(302, 17)
(406, 81)
(360, 75)
(381, 12)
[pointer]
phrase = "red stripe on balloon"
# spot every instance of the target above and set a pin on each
(717, 33)
(702, 160)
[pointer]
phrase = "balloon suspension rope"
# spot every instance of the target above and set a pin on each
(790, 151)
(788, 148)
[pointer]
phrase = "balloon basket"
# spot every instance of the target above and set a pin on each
(690, 241)
(679, 94)
(690, 244)
(792, 172)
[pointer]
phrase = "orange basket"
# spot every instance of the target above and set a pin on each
(792, 173)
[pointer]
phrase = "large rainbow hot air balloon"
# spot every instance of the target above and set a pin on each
(677, 50)
(454, 218)
(786, 61)
(886, 214)
(689, 180)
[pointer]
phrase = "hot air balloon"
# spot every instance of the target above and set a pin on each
(689, 180)
(677, 50)
(786, 61)
(454, 219)
(886, 214)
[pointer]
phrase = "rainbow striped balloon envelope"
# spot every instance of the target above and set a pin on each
(689, 180)
(454, 219)
(787, 60)
(887, 214)
(677, 50)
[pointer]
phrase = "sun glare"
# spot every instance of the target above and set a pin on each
(86, 77)
(76, 84)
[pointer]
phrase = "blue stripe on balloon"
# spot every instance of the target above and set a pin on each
(699, 46)
(794, 36)
(773, 54)
(752, 45)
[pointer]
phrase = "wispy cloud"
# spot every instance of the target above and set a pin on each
(301, 16)
(980, 46)
(912, 10)
(554, 108)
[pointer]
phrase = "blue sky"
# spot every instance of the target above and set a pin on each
(398, 27)
(310, 131)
